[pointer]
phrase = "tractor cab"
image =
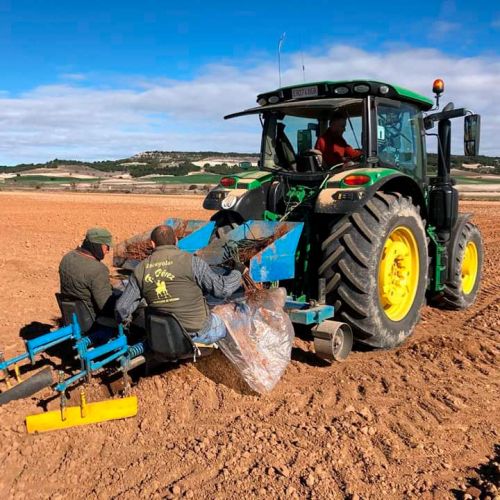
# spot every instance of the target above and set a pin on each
(382, 127)
(383, 122)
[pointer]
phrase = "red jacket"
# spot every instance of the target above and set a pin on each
(335, 149)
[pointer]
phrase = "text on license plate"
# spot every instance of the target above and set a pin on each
(311, 91)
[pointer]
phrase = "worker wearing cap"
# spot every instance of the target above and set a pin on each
(84, 277)
(173, 281)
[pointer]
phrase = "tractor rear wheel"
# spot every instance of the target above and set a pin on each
(465, 270)
(375, 265)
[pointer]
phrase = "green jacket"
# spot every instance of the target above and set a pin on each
(167, 283)
(83, 277)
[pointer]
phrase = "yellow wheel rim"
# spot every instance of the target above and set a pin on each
(398, 273)
(470, 266)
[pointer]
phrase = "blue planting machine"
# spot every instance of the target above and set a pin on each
(275, 262)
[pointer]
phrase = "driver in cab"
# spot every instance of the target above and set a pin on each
(333, 146)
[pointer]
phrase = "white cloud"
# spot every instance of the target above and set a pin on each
(77, 77)
(95, 122)
(441, 29)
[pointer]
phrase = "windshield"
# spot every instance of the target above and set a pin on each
(291, 134)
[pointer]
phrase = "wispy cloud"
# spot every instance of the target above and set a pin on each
(85, 120)
(441, 29)
(77, 77)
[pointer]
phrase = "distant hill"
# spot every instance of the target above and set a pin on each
(146, 163)
(183, 162)
(489, 164)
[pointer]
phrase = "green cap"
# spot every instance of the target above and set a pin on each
(99, 235)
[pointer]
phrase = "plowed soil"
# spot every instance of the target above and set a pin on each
(413, 422)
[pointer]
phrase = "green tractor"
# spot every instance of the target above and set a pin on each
(381, 235)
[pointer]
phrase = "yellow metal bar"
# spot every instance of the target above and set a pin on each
(208, 346)
(86, 413)
(17, 373)
(83, 405)
(5, 371)
(62, 401)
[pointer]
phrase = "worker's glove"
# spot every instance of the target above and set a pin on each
(239, 266)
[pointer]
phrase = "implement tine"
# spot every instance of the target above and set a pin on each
(6, 373)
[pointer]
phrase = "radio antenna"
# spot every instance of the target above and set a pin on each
(280, 43)
(302, 58)
(303, 67)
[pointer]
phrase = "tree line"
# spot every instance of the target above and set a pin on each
(154, 166)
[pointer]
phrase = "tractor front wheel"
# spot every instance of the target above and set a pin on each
(375, 264)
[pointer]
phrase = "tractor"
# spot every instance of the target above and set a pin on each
(381, 234)
(359, 246)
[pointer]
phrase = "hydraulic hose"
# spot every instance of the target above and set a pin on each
(28, 387)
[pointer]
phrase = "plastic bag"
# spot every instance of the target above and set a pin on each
(260, 337)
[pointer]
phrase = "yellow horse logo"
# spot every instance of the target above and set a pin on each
(161, 290)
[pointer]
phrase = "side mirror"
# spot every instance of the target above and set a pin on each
(245, 165)
(472, 132)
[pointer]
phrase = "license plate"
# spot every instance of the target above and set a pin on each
(311, 91)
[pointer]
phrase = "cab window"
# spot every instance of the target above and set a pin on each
(399, 143)
(292, 136)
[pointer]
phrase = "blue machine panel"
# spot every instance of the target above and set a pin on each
(197, 233)
(274, 262)
(277, 261)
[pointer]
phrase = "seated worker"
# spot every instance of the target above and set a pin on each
(84, 277)
(174, 281)
(333, 146)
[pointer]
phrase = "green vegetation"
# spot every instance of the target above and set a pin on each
(26, 179)
(476, 180)
(188, 179)
(50, 164)
(179, 164)
(183, 168)
(223, 169)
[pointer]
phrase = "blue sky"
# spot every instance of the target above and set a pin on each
(95, 80)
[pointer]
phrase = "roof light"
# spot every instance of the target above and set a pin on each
(383, 89)
(228, 181)
(262, 101)
(341, 90)
(356, 180)
(438, 86)
(361, 89)
(274, 99)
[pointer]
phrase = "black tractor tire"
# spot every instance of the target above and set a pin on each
(453, 295)
(351, 257)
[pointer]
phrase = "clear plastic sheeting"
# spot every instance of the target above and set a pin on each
(260, 337)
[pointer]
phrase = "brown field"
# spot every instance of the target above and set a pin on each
(413, 422)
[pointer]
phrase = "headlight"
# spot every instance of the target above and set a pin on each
(229, 202)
